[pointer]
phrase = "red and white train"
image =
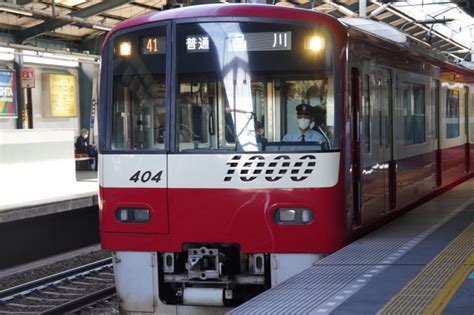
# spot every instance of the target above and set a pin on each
(204, 204)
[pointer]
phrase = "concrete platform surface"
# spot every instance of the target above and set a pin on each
(31, 195)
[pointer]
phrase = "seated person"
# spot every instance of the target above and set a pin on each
(305, 115)
(82, 146)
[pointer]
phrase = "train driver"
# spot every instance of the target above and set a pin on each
(305, 115)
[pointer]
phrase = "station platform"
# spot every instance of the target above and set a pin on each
(42, 219)
(420, 263)
(18, 203)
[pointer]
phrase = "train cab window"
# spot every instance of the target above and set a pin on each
(240, 91)
(139, 90)
(452, 114)
(414, 113)
(139, 113)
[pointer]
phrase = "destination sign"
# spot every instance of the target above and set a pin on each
(242, 42)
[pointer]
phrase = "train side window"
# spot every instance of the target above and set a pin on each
(366, 113)
(452, 114)
(414, 113)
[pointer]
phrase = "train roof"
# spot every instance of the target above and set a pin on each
(238, 10)
(341, 28)
(390, 38)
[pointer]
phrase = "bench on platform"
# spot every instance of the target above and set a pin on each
(80, 157)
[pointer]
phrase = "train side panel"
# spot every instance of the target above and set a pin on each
(400, 164)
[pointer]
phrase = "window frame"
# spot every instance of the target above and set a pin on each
(107, 78)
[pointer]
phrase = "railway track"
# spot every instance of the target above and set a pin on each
(60, 293)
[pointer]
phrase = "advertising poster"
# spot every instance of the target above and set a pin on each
(7, 94)
(63, 95)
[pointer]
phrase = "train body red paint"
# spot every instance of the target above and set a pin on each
(209, 193)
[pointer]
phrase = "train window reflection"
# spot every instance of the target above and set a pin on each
(194, 113)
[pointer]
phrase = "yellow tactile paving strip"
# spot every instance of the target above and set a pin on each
(432, 289)
(447, 292)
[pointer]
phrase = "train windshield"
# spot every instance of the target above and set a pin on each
(255, 87)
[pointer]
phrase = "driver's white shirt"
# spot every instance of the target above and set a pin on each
(309, 135)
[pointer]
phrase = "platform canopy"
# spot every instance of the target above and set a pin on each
(446, 25)
(72, 22)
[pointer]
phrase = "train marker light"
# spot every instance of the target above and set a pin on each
(315, 43)
(293, 216)
(306, 216)
(132, 215)
(125, 49)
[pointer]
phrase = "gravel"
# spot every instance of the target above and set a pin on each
(49, 269)
(108, 306)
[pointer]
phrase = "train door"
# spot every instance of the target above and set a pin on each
(384, 100)
(377, 179)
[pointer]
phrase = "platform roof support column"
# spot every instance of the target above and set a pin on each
(363, 8)
(472, 44)
(20, 99)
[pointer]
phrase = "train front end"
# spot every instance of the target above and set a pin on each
(209, 195)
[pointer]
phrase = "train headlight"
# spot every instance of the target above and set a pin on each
(125, 49)
(133, 215)
(287, 215)
(293, 216)
(315, 43)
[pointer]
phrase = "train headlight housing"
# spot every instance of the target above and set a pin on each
(132, 215)
(293, 216)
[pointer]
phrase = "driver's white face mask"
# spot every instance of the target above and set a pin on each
(303, 123)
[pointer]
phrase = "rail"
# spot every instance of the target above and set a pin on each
(62, 292)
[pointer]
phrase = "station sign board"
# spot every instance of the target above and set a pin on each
(27, 78)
